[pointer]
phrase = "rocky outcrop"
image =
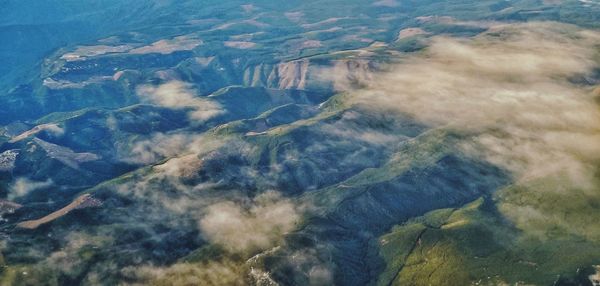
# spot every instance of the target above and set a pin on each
(291, 74)
(211, 73)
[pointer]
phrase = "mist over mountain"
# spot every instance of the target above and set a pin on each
(317, 142)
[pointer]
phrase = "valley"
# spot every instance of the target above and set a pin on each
(300, 143)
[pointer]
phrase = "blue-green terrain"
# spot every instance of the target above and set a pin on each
(300, 142)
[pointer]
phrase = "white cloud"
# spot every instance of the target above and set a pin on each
(23, 186)
(213, 273)
(157, 147)
(510, 88)
(180, 95)
(257, 226)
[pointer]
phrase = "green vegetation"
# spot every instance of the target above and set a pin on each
(381, 199)
(477, 244)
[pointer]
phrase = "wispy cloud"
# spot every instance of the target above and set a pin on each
(214, 273)
(513, 87)
(23, 186)
(253, 227)
(158, 146)
(180, 95)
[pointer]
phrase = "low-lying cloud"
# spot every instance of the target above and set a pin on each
(511, 87)
(23, 186)
(180, 95)
(212, 273)
(158, 146)
(253, 227)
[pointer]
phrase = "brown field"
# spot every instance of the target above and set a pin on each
(33, 224)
